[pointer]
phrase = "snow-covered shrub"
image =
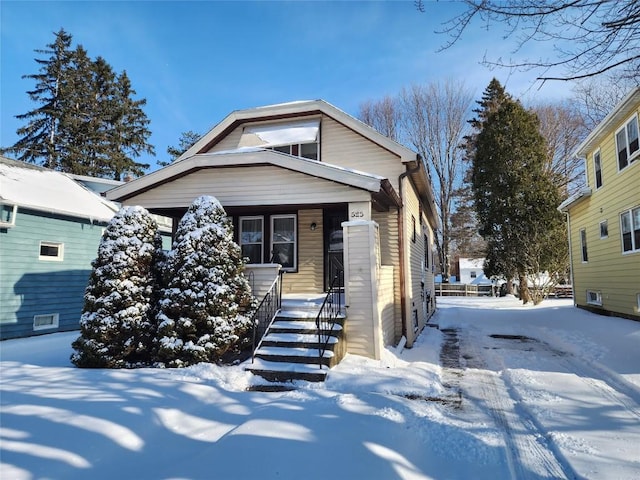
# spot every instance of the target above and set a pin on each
(204, 310)
(116, 327)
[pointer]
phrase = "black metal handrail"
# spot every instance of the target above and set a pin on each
(329, 313)
(267, 311)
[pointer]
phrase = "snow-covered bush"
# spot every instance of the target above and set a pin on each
(204, 310)
(116, 327)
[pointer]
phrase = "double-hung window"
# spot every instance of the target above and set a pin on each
(627, 143)
(583, 245)
(251, 238)
(597, 168)
(283, 241)
(630, 227)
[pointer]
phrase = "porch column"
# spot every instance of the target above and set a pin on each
(361, 272)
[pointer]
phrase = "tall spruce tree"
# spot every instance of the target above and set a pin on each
(204, 310)
(40, 136)
(117, 324)
(515, 197)
(88, 121)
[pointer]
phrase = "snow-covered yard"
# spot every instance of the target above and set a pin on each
(501, 391)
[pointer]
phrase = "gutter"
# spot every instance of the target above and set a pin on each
(401, 225)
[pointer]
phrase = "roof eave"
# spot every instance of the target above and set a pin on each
(574, 199)
(618, 114)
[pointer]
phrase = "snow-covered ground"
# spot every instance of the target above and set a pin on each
(554, 393)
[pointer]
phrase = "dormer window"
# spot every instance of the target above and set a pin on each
(300, 139)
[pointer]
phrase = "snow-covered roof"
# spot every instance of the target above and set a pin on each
(249, 156)
(46, 190)
(296, 109)
(471, 263)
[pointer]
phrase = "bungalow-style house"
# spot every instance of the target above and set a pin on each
(50, 228)
(320, 195)
(604, 217)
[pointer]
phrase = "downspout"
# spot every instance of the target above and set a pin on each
(570, 257)
(401, 225)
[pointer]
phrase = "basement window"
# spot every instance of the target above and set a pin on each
(594, 298)
(43, 322)
(51, 251)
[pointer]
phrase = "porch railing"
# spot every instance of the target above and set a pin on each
(267, 310)
(329, 313)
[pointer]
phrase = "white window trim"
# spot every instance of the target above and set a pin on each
(637, 247)
(631, 158)
(597, 301)
(252, 217)
(602, 237)
(595, 173)
(14, 212)
(49, 258)
(295, 239)
(55, 321)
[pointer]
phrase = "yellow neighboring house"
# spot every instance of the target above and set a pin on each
(604, 217)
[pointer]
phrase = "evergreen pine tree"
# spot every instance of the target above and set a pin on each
(88, 122)
(187, 140)
(39, 137)
(515, 197)
(203, 311)
(116, 327)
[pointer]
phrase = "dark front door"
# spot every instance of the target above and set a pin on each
(333, 246)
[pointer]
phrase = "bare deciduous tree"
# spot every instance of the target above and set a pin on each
(434, 122)
(562, 126)
(383, 115)
(590, 37)
(596, 97)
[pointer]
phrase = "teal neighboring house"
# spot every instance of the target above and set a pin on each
(50, 228)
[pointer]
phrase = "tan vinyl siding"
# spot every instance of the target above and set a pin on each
(386, 305)
(616, 275)
(390, 255)
(261, 278)
(241, 186)
(413, 259)
(340, 146)
(360, 323)
(309, 277)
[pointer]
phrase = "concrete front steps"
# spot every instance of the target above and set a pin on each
(290, 348)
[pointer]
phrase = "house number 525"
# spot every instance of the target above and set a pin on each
(357, 214)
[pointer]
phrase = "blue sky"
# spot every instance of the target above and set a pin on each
(196, 61)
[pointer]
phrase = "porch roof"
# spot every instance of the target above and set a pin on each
(378, 186)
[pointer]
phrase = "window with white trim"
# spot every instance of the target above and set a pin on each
(473, 274)
(51, 251)
(583, 245)
(604, 229)
(594, 298)
(627, 143)
(7, 215)
(630, 228)
(284, 241)
(299, 138)
(43, 322)
(597, 168)
(252, 238)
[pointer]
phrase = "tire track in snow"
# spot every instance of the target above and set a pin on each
(529, 454)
